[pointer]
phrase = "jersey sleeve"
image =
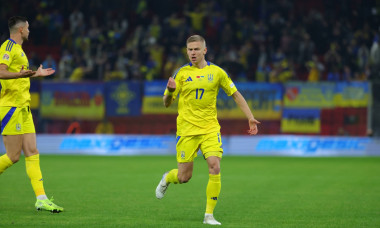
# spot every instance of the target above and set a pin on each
(226, 83)
(177, 78)
(5, 56)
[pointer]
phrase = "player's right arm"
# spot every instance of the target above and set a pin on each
(173, 88)
(168, 98)
(5, 74)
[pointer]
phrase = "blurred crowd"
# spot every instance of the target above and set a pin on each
(253, 40)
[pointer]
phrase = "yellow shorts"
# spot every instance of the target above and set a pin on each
(16, 121)
(188, 146)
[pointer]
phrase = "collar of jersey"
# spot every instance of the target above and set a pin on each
(12, 40)
(208, 63)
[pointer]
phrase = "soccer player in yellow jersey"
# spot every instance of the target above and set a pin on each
(17, 127)
(197, 85)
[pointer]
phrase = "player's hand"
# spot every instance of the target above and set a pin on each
(43, 72)
(26, 73)
(253, 126)
(171, 85)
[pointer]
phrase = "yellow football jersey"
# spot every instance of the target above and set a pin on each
(198, 90)
(14, 92)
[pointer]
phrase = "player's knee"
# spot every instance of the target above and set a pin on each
(184, 178)
(14, 158)
(214, 170)
(33, 151)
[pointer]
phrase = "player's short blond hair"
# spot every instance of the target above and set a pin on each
(195, 38)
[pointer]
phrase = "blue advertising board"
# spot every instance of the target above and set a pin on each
(296, 145)
(277, 145)
(117, 144)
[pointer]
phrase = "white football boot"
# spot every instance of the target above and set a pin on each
(162, 186)
(209, 219)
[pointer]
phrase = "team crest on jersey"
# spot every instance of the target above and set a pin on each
(6, 57)
(210, 78)
(18, 127)
(189, 79)
(22, 53)
(182, 154)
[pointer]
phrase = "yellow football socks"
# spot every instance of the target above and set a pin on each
(5, 163)
(212, 192)
(172, 176)
(33, 170)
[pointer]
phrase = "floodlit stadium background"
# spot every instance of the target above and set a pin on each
(309, 71)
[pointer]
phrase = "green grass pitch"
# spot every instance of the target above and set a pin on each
(260, 192)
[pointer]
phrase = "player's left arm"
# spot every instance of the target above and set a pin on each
(41, 72)
(240, 101)
(229, 87)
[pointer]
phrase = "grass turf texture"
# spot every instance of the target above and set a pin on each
(256, 192)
